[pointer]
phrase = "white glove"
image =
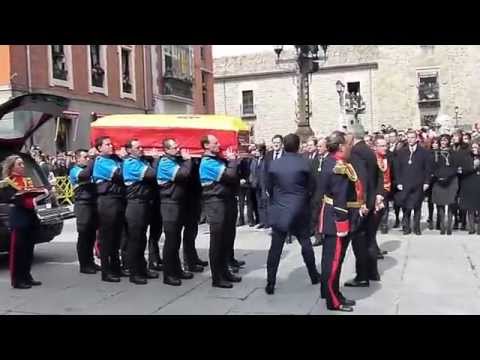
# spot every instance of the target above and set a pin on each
(400, 187)
(342, 234)
(425, 187)
(243, 182)
(476, 163)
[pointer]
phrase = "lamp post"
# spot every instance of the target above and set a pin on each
(341, 100)
(456, 116)
(308, 62)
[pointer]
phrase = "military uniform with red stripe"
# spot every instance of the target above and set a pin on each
(19, 191)
(339, 207)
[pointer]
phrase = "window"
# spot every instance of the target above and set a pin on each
(428, 88)
(60, 70)
(97, 68)
(353, 87)
(127, 71)
(202, 53)
(178, 62)
(247, 102)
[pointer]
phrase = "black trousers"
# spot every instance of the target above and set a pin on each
(190, 232)
(365, 248)
(136, 215)
(230, 229)
(216, 214)
(155, 232)
(407, 214)
(172, 215)
(252, 209)
(22, 243)
(333, 254)
(242, 203)
(87, 222)
(111, 217)
(262, 207)
(276, 248)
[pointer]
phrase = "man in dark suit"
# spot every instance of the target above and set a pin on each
(290, 186)
(311, 153)
(413, 170)
(243, 194)
(363, 239)
(394, 146)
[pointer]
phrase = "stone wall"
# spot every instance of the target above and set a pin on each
(388, 76)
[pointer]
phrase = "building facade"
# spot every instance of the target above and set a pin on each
(99, 80)
(400, 85)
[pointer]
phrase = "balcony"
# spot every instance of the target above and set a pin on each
(182, 88)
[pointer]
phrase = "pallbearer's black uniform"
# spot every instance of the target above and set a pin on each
(139, 179)
(86, 215)
(173, 174)
(412, 169)
(24, 226)
(107, 175)
(219, 178)
(340, 207)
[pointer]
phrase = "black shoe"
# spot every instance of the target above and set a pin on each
(150, 274)
(88, 270)
(471, 232)
(138, 280)
(383, 252)
(418, 232)
(407, 231)
(237, 263)
(449, 232)
(22, 285)
(171, 280)
(201, 263)
(397, 224)
(222, 284)
(270, 288)
(233, 278)
(341, 307)
(374, 278)
(110, 278)
(347, 302)
(289, 239)
(442, 232)
(154, 265)
(380, 257)
(251, 225)
(185, 275)
(455, 227)
(33, 282)
(194, 268)
(355, 283)
(318, 242)
(260, 226)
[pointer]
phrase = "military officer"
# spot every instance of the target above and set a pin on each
(340, 205)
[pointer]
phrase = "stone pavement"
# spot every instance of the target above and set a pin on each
(428, 274)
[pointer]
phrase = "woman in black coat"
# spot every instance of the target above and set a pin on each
(469, 196)
(462, 149)
(435, 145)
(445, 182)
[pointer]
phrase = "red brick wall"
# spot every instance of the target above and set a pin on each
(206, 64)
(39, 74)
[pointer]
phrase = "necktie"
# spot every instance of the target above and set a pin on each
(276, 155)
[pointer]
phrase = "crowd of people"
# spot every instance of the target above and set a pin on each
(333, 190)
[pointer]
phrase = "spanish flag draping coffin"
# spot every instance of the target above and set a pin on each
(187, 130)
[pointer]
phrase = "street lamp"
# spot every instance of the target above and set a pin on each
(456, 116)
(308, 62)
